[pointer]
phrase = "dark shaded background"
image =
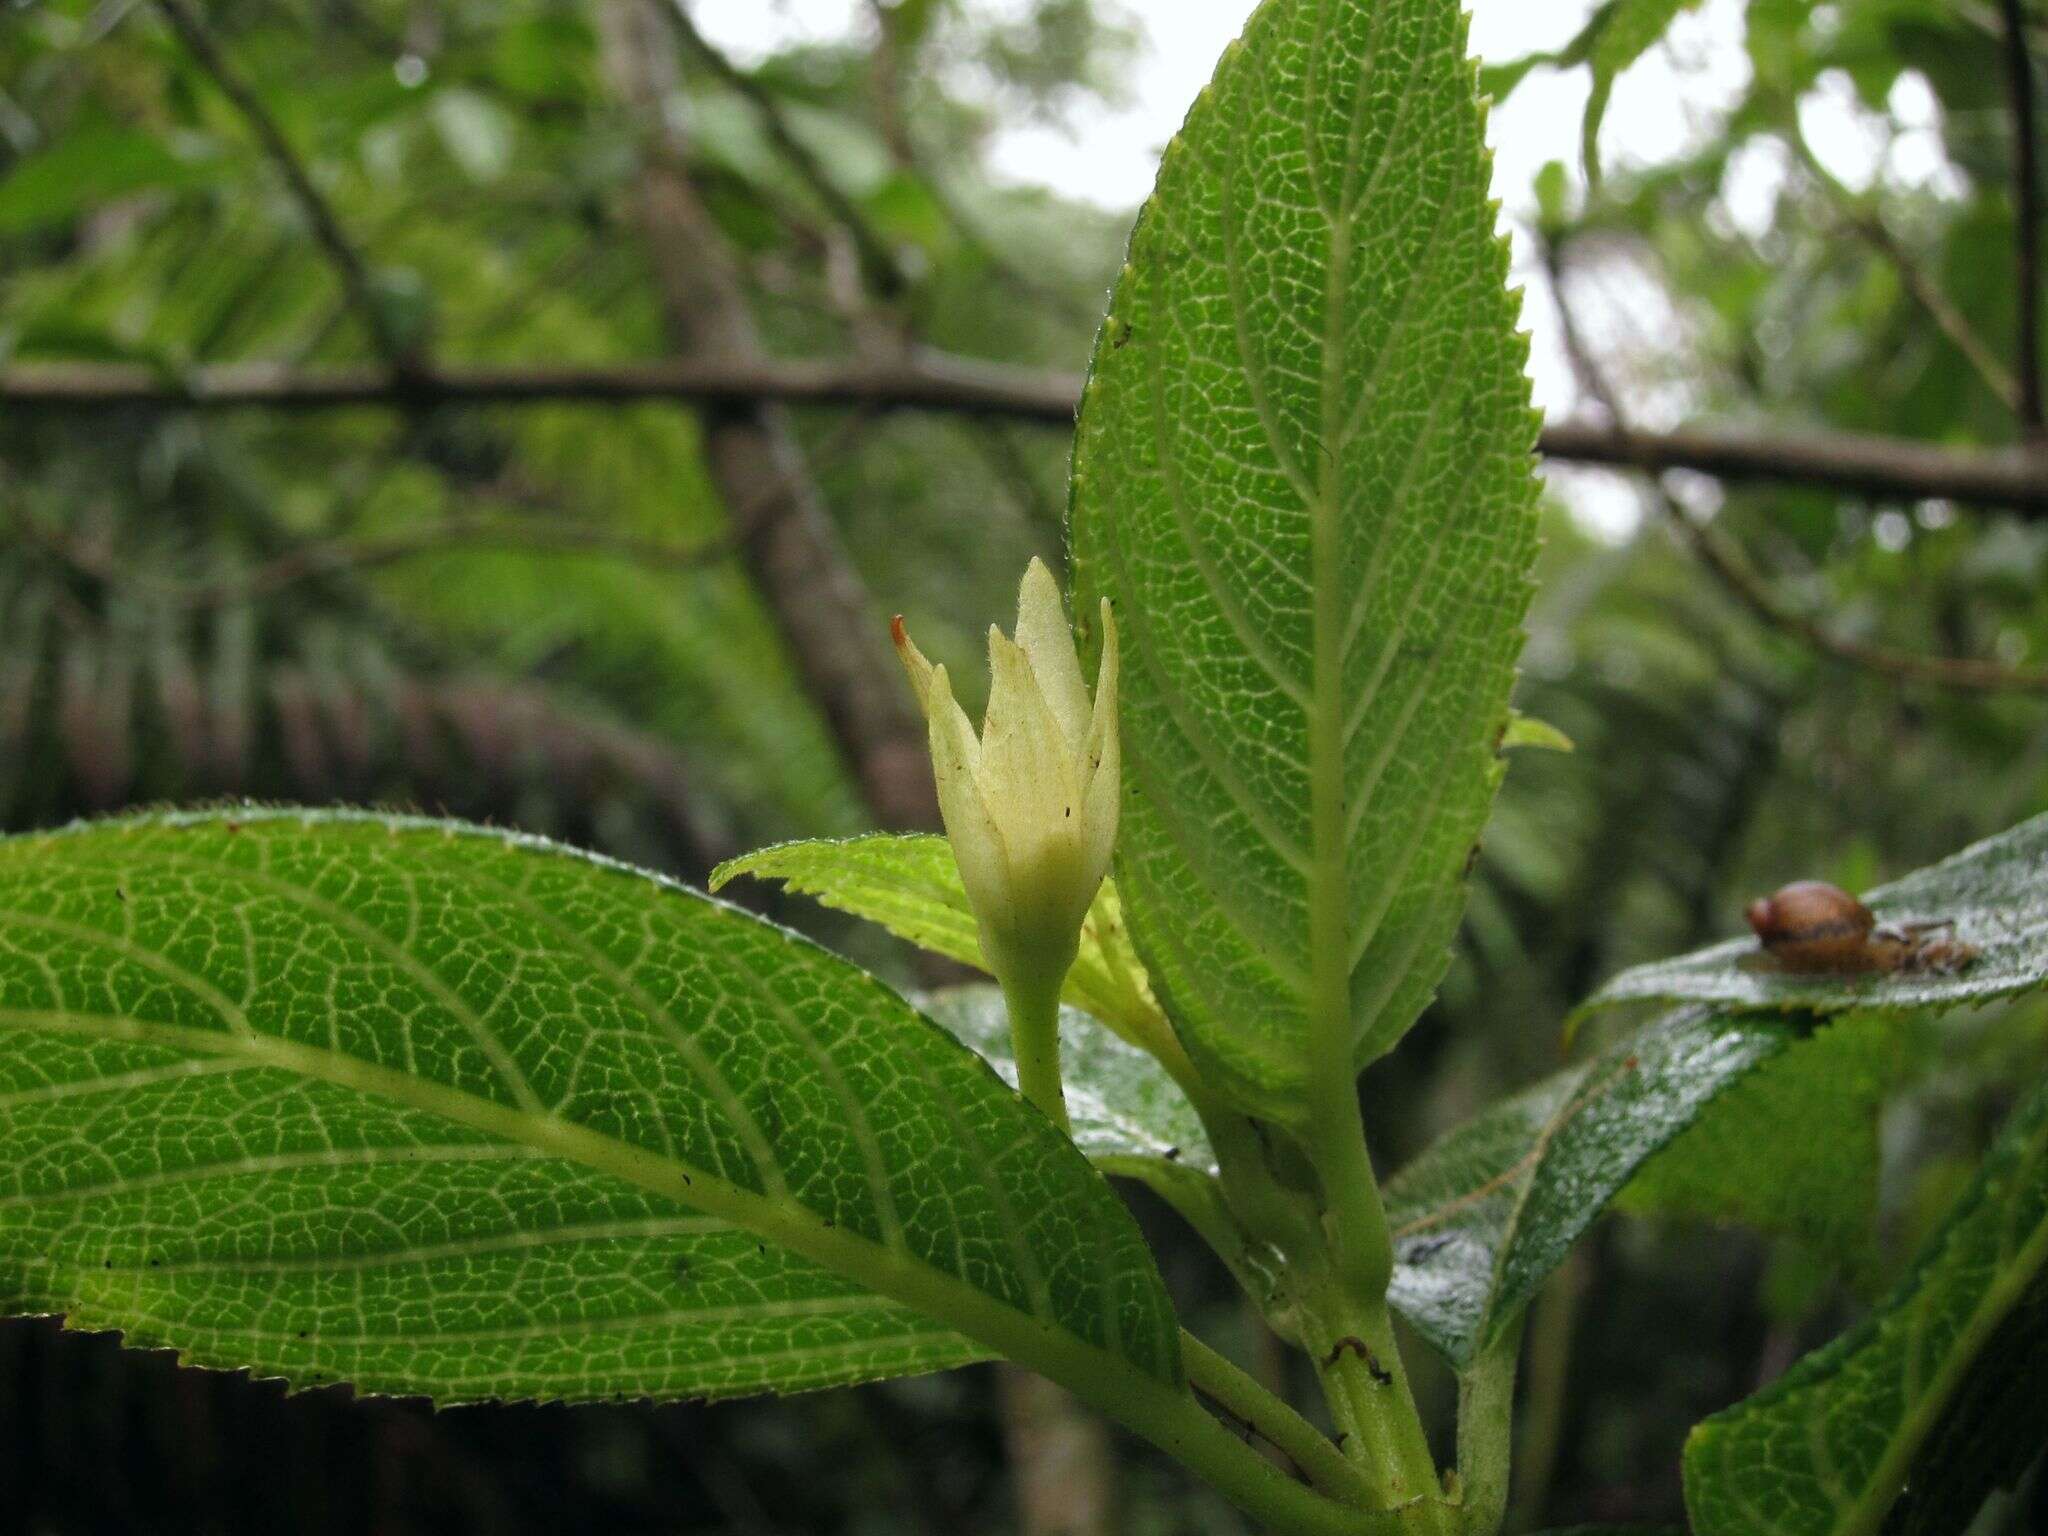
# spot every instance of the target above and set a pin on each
(653, 628)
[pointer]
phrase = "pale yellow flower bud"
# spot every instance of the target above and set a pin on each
(1031, 804)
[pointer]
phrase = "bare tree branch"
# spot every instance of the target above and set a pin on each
(1886, 467)
(2026, 214)
(1895, 468)
(884, 273)
(1725, 560)
(350, 554)
(347, 262)
(1963, 674)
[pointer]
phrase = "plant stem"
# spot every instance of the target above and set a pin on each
(1034, 1008)
(1353, 1215)
(1553, 1317)
(1179, 1426)
(1486, 1411)
(1366, 1385)
(1274, 1421)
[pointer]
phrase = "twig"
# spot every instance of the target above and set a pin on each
(1726, 561)
(1897, 468)
(347, 262)
(2026, 213)
(879, 264)
(330, 557)
(1747, 584)
(1868, 225)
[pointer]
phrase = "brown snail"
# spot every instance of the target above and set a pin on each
(1814, 928)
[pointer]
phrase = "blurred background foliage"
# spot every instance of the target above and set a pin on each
(559, 616)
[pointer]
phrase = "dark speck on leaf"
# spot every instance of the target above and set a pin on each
(1171, 1154)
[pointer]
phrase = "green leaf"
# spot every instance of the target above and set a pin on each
(1995, 892)
(1907, 1422)
(1482, 1218)
(911, 886)
(1121, 1102)
(87, 168)
(440, 1111)
(1527, 731)
(1302, 475)
(1793, 1147)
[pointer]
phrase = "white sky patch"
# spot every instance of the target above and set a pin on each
(1846, 137)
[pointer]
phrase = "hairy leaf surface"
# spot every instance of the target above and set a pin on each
(1483, 1217)
(1302, 476)
(436, 1110)
(1905, 1423)
(1994, 892)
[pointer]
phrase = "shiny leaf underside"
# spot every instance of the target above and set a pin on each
(1483, 1217)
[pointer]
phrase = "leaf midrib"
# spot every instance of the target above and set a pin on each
(1887, 1481)
(1032, 1339)
(2015, 1277)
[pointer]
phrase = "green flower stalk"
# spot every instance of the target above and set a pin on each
(1030, 808)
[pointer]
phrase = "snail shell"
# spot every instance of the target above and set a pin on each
(1810, 925)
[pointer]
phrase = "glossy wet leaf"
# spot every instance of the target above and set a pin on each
(1793, 1147)
(436, 1110)
(1483, 1217)
(1121, 1102)
(1907, 1422)
(1302, 476)
(910, 885)
(1994, 892)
